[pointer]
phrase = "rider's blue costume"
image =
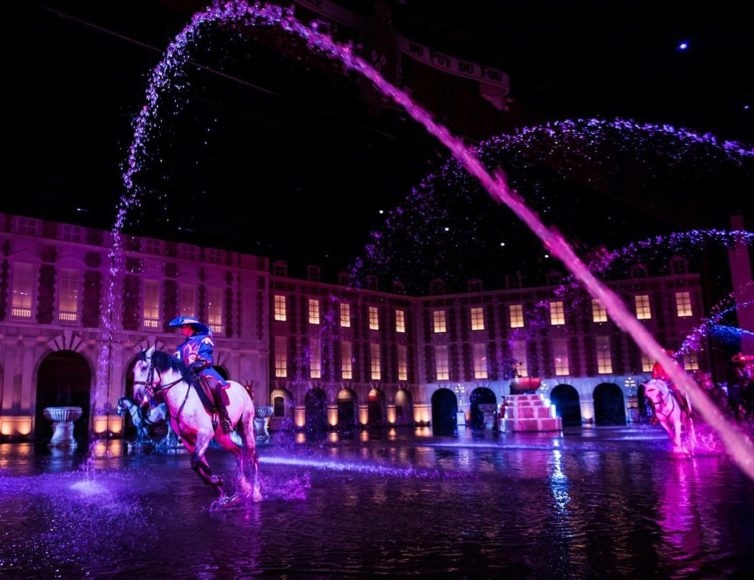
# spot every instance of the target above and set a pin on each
(197, 353)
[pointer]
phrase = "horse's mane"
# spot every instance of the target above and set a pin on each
(164, 361)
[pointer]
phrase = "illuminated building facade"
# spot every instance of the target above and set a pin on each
(320, 355)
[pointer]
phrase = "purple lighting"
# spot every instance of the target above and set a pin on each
(167, 76)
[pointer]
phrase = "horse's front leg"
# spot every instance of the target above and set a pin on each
(201, 466)
(677, 434)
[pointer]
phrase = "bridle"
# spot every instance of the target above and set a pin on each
(666, 403)
(154, 387)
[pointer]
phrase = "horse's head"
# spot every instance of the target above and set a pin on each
(154, 371)
(124, 403)
(656, 390)
(144, 375)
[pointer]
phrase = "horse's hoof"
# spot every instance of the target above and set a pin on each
(225, 502)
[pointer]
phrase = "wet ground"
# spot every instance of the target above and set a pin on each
(587, 503)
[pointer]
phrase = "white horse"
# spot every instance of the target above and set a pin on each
(673, 414)
(160, 376)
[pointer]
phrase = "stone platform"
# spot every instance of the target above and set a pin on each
(529, 412)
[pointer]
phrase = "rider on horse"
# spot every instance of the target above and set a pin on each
(658, 372)
(197, 353)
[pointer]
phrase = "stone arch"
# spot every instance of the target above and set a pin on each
(567, 404)
(404, 407)
(444, 412)
(64, 379)
(609, 405)
(68, 340)
(483, 406)
(376, 408)
(347, 410)
(283, 407)
(315, 404)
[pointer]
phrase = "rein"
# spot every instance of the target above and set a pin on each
(155, 387)
(668, 403)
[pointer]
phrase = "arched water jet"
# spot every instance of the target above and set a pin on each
(241, 13)
(719, 313)
(442, 224)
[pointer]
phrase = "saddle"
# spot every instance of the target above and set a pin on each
(681, 399)
(205, 386)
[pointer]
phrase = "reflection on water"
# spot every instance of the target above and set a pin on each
(587, 504)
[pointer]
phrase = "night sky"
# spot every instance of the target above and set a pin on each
(265, 139)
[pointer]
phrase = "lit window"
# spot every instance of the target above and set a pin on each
(374, 361)
(646, 363)
(690, 361)
(683, 304)
(215, 309)
(557, 314)
(477, 318)
(374, 318)
(516, 315)
(560, 357)
(400, 321)
(599, 313)
(346, 360)
(402, 363)
(313, 311)
(281, 357)
(187, 300)
(281, 309)
(151, 310)
(315, 358)
(345, 315)
(643, 310)
(604, 356)
(480, 361)
(23, 290)
(438, 321)
(442, 370)
(68, 295)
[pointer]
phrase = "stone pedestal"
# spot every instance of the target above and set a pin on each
(62, 425)
(529, 412)
(262, 423)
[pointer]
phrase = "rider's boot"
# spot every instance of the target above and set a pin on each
(222, 410)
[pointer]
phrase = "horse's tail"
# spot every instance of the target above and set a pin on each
(249, 454)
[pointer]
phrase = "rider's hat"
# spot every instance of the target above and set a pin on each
(191, 321)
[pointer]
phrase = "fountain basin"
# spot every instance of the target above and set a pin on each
(62, 425)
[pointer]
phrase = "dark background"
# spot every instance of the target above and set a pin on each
(272, 149)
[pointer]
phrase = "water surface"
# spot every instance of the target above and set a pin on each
(592, 502)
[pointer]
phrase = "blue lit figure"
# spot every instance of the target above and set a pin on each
(197, 353)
